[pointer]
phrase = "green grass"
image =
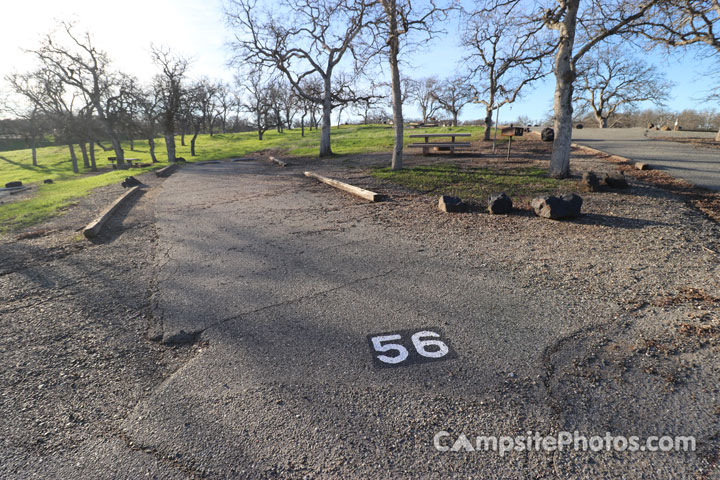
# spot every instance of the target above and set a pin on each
(476, 183)
(54, 163)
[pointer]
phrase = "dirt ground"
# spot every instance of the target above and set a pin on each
(74, 313)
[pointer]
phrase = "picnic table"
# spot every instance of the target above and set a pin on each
(130, 161)
(439, 146)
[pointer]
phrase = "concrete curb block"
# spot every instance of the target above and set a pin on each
(93, 228)
(278, 161)
(166, 171)
(360, 192)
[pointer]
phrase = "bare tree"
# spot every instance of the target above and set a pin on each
(256, 101)
(33, 120)
(288, 102)
(597, 20)
(368, 106)
(307, 106)
(274, 94)
(610, 78)
(146, 105)
(169, 88)
(311, 42)
(199, 104)
(453, 96)
(224, 105)
(686, 23)
(49, 94)
(77, 63)
(424, 94)
(506, 55)
(397, 21)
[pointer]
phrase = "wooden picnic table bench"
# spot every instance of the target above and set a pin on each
(439, 146)
(129, 161)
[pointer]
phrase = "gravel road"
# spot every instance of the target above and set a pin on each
(699, 166)
(237, 342)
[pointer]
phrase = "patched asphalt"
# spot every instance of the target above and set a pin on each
(283, 279)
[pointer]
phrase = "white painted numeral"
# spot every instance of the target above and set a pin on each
(421, 345)
(379, 347)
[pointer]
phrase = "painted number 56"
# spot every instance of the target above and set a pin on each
(394, 349)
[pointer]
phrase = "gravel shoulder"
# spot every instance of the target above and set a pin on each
(76, 359)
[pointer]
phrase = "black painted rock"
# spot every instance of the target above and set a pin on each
(13, 184)
(590, 182)
(567, 206)
(499, 203)
(547, 135)
(180, 160)
(579, 126)
(574, 204)
(130, 182)
(450, 204)
(48, 180)
(615, 180)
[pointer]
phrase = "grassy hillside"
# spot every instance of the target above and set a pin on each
(54, 163)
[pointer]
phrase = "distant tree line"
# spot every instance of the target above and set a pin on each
(688, 119)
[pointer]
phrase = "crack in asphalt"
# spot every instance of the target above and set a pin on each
(194, 336)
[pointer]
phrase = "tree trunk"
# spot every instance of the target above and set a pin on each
(602, 122)
(73, 158)
(455, 116)
(170, 146)
(93, 163)
(259, 126)
(34, 154)
(302, 126)
(114, 139)
(717, 137)
(151, 143)
(182, 138)
(398, 122)
(86, 159)
(117, 148)
(132, 143)
(325, 150)
(488, 122)
(192, 144)
(565, 77)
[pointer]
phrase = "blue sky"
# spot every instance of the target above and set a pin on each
(197, 29)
